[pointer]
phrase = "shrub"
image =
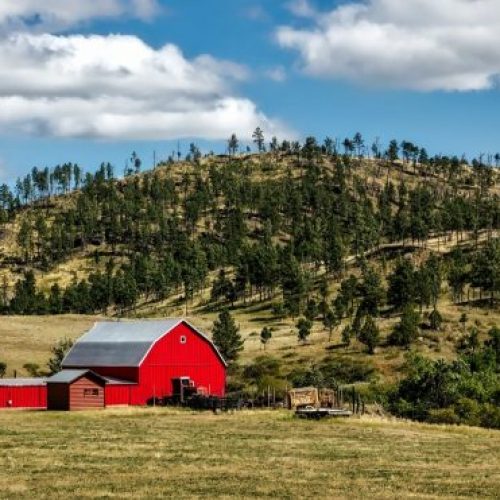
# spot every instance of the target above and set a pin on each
(435, 319)
(468, 411)
(332, 373)
(490, 416)
(443, 416)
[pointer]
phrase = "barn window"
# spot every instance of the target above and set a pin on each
(90, 392)
(183, 339)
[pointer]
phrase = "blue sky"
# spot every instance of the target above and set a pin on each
(428, 74)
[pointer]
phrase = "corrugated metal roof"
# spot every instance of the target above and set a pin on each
(121, 343)
(129, 331)
(22, 382)
(117, 343)
(67, 376)
(114, 354)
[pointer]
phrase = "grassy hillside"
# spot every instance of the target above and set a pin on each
(28, 339)
(158, 453)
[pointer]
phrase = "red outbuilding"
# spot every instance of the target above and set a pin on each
(133, 363)
(23, 393)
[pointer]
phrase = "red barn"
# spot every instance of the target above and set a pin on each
(135, 362)
(140, 359)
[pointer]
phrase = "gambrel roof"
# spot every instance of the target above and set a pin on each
(122, 343)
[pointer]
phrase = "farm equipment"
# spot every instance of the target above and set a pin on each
(309, 402)
(318, 413)
(183, 389)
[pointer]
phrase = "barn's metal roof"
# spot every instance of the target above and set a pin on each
(114, 354)
(117, 343)
(128, 331)
(122, 343)
(67, 376)
(22, 382)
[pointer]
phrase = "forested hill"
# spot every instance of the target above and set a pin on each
(253, 225)
(310, 266)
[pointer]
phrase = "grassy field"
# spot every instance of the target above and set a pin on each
(155, 453)
(25, 339)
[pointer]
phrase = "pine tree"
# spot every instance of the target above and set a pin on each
(258, 138)
(59, 351)
(330, 322)
(233, 144)
(311, 310)
(304, 327)
(435, 319)
(346, 336)
(265, 336)
(373, 292)
(369, 335)
(226, 337)
(406, 331)
(402, 284)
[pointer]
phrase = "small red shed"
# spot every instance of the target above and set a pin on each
(75, 390)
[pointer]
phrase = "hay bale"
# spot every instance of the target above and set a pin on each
(327, 398)
(305, 396)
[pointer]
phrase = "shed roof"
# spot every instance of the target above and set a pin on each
(69, 376)
(122, 343)
(22, 382)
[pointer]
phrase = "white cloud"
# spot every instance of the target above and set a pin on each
(276, 74)
(56, 14)
(421, 45)
(117, 87)
(301, 8)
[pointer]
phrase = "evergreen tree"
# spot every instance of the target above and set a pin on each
(304, 327)
(346, 336)
(369, 335)
(226, 337)
(258, 138)
(435, 319)
(233, 144)
(372, 291)
(311, 310)
(265, 336)
(402, 284)
(330, 322)
(406, 331)
(59, 351)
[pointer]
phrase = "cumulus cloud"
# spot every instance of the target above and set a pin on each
(57, 14)
(425, 45)
(118, 87)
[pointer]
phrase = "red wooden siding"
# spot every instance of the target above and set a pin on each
(170, 358)
(85, 394)
(23, 397)
(118, 395)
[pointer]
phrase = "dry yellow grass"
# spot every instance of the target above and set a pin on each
(159, 453)
(25, 339)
